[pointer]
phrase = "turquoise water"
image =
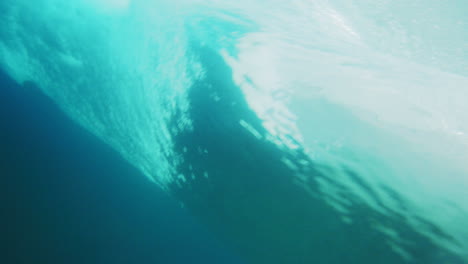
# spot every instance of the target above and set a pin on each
(301, 131)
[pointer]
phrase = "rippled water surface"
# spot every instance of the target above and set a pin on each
(304, 131)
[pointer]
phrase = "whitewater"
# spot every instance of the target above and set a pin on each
(284, 125)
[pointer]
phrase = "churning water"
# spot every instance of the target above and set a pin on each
(302, 131)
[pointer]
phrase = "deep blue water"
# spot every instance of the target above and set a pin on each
(206, 131)
(68, 198)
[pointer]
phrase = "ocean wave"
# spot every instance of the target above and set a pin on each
(260, 117)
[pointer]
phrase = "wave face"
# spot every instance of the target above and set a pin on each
(301, 131)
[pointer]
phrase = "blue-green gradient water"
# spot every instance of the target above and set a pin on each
(302, 131)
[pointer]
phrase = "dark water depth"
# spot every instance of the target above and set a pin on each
(65, 197)
(68, 198)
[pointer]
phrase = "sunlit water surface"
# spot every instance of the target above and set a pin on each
(306, 130)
